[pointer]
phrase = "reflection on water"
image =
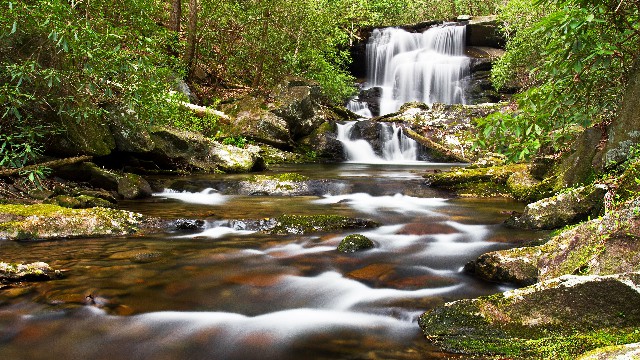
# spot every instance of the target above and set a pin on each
(228, 293)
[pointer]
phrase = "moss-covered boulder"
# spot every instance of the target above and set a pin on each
(563, 209)
(507, 180)
(517, 266)
(129, 135)
(79, 202)
(284, 184)
(299, 103)
(558, 318)
(89, 136)
(47, 221)
(37, 271)
(355, 242)
(323, 143)
(185, 150)
(602, 246)
(304, 224)
(132, 186)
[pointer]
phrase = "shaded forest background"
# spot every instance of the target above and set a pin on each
(77, 59)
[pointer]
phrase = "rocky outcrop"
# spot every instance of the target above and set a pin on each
(44, 221)
(485, 31)
(193, 152)
(126, 185)
(566, 208)
(528, 322)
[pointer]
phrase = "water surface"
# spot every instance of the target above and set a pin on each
(230, 293)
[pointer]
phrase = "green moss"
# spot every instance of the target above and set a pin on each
(47, 221)
(495, 174)
(283, 177)
(302, 224)
(355, 242)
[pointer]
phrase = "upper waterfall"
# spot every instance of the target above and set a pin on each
(426, 67)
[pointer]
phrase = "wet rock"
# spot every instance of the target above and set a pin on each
(299, 104)
(517, 266)
(450, 126)
(189, 224)
(37, 271)
(304, 224)
(45, 221)
(522, 323)
(132, 186)
(355, 242)
(324, 144)
(563, 209)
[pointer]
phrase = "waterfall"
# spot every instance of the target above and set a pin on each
(395, 146)
(424, 67)
(359, 108)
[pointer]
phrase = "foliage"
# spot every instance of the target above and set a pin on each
(573, 58)
(237, 141)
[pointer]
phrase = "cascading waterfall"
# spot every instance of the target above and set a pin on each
(424, 67)
(359, 108)
(396, 147)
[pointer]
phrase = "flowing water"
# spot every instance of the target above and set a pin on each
(396, 147)
(225, 292)
(426, 67)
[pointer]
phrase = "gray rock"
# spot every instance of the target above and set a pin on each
(563, 209)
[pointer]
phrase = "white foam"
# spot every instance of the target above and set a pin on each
(208, 196)
(398, 203)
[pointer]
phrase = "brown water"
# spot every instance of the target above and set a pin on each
(226, 293)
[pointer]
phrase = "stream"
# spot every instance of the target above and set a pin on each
(228, 293)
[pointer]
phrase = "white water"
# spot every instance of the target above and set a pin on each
(396, 149)
(208, 196)
(359, 108)
(424, 67)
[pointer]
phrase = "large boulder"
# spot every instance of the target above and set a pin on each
(576, 312)
(566, 208)
(323, 143)
(128, 186)
(45, 221)
(624, 132)
(88, 136)
(517, 266)
(191, 151)
(298, 102)
(128, 134)
(485, 31)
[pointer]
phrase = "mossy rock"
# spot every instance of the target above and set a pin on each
(517, 266)
(355, 242)
(47, 221)
(559, 318)
(132, 186)
(304, 224)
(566, 208)
(37, 271)
(627, 351)
(79, 202)
(602, 246)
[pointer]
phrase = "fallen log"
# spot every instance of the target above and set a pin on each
(435, 146)
(48, 164)
(202, 111)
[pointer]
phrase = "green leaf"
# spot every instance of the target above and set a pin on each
(14, 28)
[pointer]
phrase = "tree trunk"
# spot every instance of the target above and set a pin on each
(192, 36)
(176, 15)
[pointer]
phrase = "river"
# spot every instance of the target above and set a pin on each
(228, 293)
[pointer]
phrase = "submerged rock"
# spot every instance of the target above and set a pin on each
(45, 221)
(304, 224)
(355, 242)
(37, 271)
(580, 312)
